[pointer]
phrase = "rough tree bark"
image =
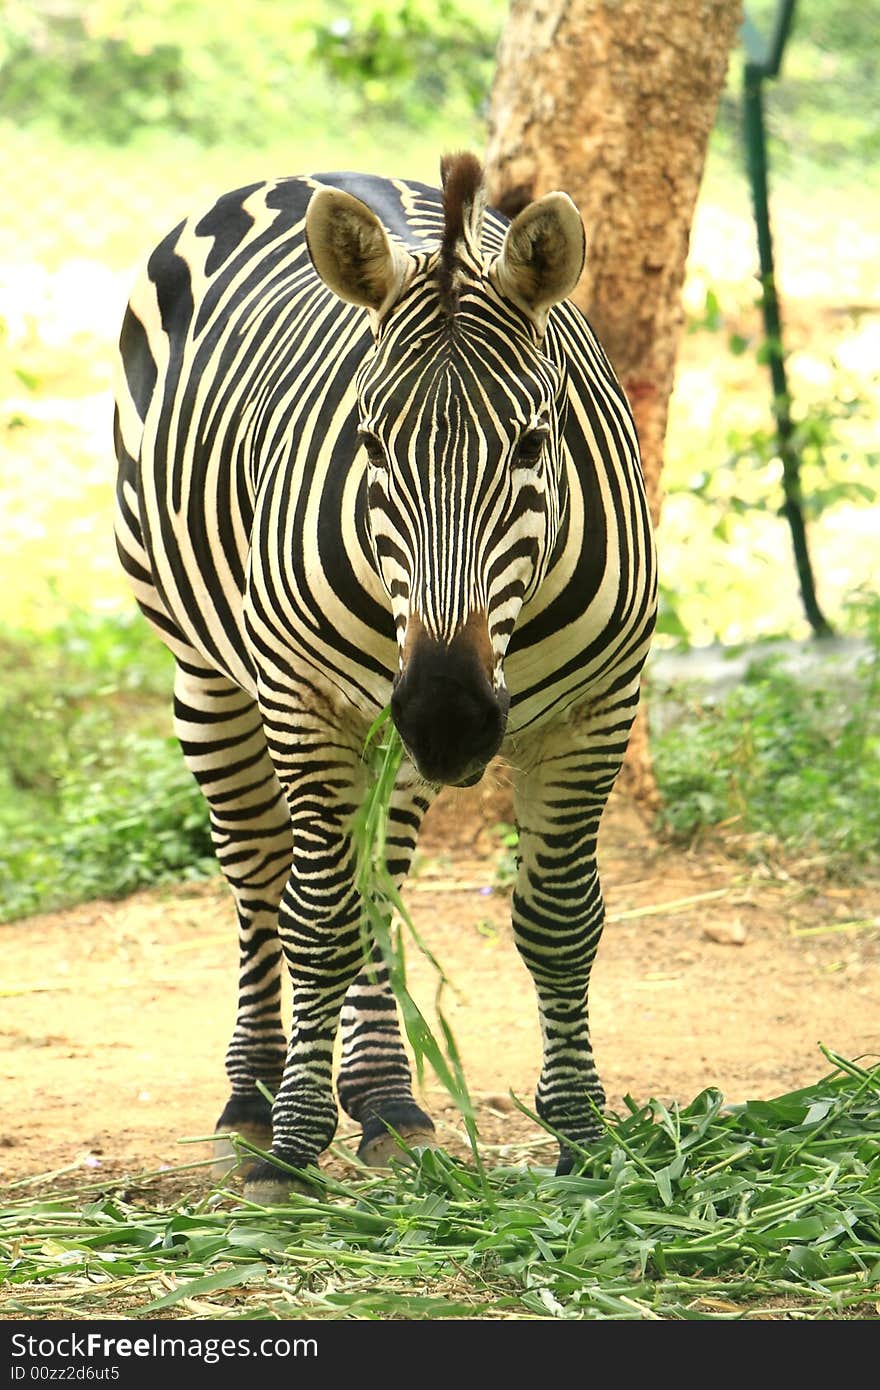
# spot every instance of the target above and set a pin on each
(613, 101)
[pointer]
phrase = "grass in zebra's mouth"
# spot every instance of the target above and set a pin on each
(382, 904)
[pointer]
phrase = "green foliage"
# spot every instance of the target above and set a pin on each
(411, 55)
(821, 109)
(107, 69)
(128, 817)
(784, 755)
(723, 481)
(748, 479)
(95, 799)
(686, 1212)
(94, 653)
(60, 688)
(835, 465)
(80, 69)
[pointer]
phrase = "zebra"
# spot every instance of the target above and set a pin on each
(370, 454)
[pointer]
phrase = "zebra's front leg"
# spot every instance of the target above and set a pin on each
(375, 1081)
(321, 934)
(558, 915)
(319, 926)
(221, 734)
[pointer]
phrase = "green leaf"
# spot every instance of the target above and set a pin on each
(230, 1278)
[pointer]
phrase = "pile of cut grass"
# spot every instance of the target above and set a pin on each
(767, 1209)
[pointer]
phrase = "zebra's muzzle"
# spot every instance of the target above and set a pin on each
(449, 717)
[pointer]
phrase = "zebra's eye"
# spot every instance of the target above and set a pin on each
(373, 446)
(529, 448)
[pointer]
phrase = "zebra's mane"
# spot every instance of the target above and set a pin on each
(464, 200)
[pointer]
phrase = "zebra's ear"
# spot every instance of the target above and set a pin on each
(542, 257)
(352, 253)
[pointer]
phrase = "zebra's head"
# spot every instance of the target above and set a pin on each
(460, 406)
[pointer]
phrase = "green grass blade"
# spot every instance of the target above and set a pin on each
(381, 899)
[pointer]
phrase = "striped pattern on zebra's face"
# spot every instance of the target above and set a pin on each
(461, 428)
(460, 423)
(460, 419)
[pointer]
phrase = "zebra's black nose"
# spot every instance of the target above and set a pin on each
(446, 712)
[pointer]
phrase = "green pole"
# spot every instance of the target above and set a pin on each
(760, 65)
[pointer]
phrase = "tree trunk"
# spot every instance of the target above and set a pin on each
(613, 102)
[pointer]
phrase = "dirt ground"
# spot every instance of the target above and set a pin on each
(713, 971)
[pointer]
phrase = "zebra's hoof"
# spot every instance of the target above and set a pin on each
(230, 1159)
(383, 1149)
(575, 1161)
(277, 1192)
(273, 1187)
